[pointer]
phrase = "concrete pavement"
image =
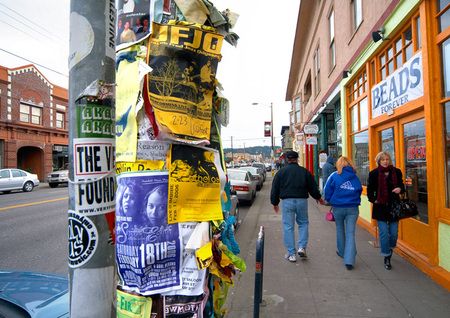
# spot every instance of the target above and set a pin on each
(321, 286)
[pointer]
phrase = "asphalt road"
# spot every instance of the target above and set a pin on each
(33, 230)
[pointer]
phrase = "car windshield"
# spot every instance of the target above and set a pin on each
(236, 175)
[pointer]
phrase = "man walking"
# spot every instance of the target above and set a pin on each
(292, 184)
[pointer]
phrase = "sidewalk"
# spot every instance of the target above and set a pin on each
(321, 286)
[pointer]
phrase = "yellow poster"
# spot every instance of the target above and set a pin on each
(127, 91)
(195, 185)
(184, 59)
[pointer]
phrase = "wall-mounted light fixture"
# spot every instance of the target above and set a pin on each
(346, 73)
(378, 35)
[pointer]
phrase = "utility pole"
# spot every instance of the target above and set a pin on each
(91, 159)
(232, 151)
(271, 132)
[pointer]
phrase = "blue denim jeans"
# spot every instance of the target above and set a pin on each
(345, 219)
(388, 232)
(295, 210)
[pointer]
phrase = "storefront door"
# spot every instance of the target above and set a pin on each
(404, 139)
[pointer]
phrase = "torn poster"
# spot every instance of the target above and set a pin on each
(184, 59)
(133, 21)
(127, 95)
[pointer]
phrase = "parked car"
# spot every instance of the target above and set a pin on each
(35, 295)
(235, 209)
(262, 167)
(58, 177)
(17, 179)
(241, 182)
(268, 167)
(256, 175)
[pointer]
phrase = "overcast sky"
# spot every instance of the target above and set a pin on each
(256, 70)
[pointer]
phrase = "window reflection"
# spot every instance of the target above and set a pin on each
(447, 148)
(360, 155)
(415, 173)
(387, 142)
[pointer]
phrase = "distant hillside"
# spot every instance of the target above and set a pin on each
(264, 150)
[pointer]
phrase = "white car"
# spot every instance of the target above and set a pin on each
(17, 179)
(58, 177)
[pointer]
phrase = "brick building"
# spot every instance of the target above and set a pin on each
(33, 121)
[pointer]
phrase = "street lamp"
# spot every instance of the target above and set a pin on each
(271, 130)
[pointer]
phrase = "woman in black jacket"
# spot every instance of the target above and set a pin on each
(383, 187)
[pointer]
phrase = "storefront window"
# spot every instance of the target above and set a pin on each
(447, 148)
(360, 155)
(363, 114)
(444, 18)
(398, 52)
(415, 173)
(387, 142)
(359, 118)
(354, 114)
(446, 66)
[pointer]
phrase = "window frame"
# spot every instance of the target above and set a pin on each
(29, 113)
(62, 120)
(357, 13)
(332, 47)
(357, 93)
(316, 70)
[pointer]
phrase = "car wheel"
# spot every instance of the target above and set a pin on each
(28, 186)
(52, 185)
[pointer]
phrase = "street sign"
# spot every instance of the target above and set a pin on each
(311, 129)
(311, 140)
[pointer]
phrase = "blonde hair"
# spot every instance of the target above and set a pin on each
(344, 162)
(381, 155)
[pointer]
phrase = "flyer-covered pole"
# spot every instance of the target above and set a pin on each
(91, 212)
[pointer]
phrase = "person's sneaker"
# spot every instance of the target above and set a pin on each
(302, 252)
(291, 258)
(349, 267)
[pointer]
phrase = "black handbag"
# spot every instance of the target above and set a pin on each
(404, 208)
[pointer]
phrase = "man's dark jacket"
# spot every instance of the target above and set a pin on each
(293, 181)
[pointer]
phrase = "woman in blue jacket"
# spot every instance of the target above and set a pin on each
(343, 191)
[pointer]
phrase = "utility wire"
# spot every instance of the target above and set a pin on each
(32, 22)
(27, 26)
(43, 66)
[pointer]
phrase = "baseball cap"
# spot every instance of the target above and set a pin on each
(291, 154)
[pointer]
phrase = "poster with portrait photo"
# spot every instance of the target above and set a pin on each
(134, 19)
(148, 249)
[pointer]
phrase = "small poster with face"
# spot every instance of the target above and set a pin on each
(148, 249)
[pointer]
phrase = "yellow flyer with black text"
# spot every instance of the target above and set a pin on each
(194, 185)
(184, 61)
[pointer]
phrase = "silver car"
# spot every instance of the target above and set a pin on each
(58, 177)
(241, 181)
(256, 175)
(17, 179)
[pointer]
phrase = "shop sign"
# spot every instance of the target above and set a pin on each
(311, 140)
(322, 159)
(311, 129)
(416, 150)
(399, 88)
